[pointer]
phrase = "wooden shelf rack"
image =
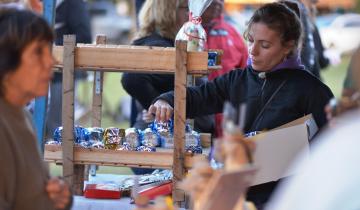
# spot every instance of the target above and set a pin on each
(102, 58)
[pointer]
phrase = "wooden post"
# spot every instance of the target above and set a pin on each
(68, 109)
(97, 90)
(179, 119)
(96, 103)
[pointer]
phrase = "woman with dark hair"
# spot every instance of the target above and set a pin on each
(25, 71)
(275, 86)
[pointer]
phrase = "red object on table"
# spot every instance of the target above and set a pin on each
(102, 191)
(154, 190)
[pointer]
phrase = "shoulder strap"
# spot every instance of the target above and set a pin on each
(257, 119)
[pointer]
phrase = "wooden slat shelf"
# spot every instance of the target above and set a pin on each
(162, 158)
(102, 58)
(130, 58)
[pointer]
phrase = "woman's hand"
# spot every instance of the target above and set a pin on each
(162, 110)
(59, 193)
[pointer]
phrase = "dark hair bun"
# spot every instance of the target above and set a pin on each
(293, 6)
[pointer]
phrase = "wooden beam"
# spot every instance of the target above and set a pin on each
(162, 158)
(68, 108)
(179, 119)
(97, 91)
(132, 58)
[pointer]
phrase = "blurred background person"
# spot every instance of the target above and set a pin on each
(350, 96)
(312, 51)
(159, 21)
(71, 17)
(221, 35)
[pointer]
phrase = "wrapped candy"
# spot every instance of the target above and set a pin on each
(113, 137)
(52, 142)
(162, 126)
(132, 137)
(96, 137)
(125, 147)
(167, 141)
(145, 149)
(212, 58)
(98, 145)
(192, 31)
(57, 136)
(194, 149)
(81, 134)
(163, 130)
(192, 142)
(250, 134)
(192, 139)
(95, 134)
(149, 138)
(85, 144)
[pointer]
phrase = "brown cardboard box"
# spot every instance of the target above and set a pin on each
(278, 148)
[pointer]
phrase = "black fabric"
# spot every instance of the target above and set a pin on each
(71, 17)
(146, 87)
(322, 60)
(308, 51)
(312, 52)
(301, 94)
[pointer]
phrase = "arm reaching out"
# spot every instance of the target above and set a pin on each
(162, 110)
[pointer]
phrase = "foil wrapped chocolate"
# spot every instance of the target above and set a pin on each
(57, 135)
(113, 137)
(162, 126)
(95, 134)
(84, 144)
(149, 138)
(193, 149)
(125, 147)
(132, 137)
(164, 133)
(53, 142)
(192, 139)
(167, 141)
(250, 134)
(98, 145)
(212, 58)
(80, 134)
(146, 149)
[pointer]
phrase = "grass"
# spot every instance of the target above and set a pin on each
(334, 76)
(113, 92)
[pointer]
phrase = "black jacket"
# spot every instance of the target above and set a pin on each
(299, 93)
(146, 87)
(72, 17)
(294, 93)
